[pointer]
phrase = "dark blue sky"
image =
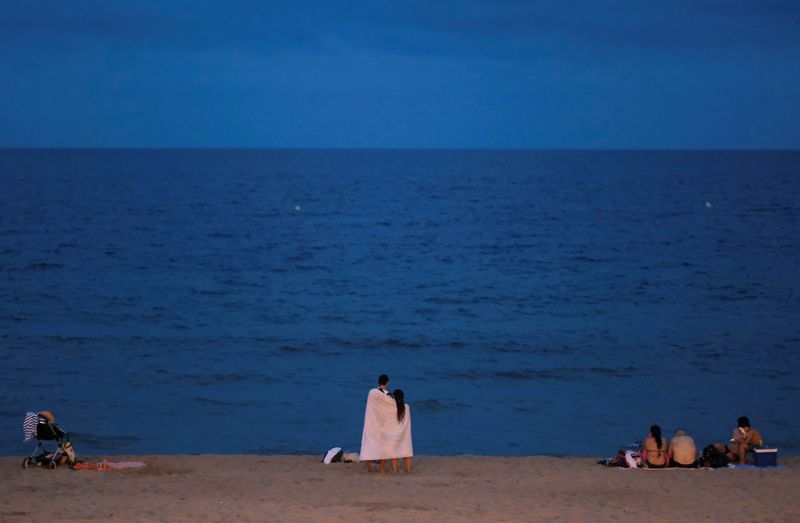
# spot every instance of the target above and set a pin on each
(495, 73)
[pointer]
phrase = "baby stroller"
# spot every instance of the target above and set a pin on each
(43, 427)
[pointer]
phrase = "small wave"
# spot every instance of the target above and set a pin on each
(438, 300)
(48, 296)
(207, 292)
(772, 374)
(341, 342)
(296, 258)
(556, 374)
(589, 259)
(429, 405)
(336, 318)
(436, 405)
(563, 349)
(394, 342)
(224, 403)
(531, 374)
(468, 375)
(508, 348)
(79, 340)
(236, 377)
(289, 349)
(38, 266)
(711, 355)
(311, 268)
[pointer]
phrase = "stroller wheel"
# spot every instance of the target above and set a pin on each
(51, 465)
(26, 463)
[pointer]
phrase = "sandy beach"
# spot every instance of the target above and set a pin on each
(463, 488)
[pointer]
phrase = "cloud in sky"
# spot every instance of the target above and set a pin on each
(400, 74)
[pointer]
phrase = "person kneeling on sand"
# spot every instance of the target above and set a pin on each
(654, 449)
(744, 438)
(682, 451)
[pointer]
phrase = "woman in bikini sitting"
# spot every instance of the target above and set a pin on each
(654, 450)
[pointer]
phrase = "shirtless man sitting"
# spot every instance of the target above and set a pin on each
(682, 451)
(744, 438)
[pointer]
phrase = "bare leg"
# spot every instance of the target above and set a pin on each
(369, 466)
(408, 464)
(382, 466)
(394, 465)
(736, 452)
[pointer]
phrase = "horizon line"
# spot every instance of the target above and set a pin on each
(510, 149)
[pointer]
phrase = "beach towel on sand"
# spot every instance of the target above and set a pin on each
(384, 437)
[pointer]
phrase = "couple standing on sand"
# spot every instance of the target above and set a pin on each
(387, 428)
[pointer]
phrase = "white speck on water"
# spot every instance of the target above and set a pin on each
(297, 208)
(708, 205)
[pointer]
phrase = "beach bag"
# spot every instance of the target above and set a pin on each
(69, 452)
(712, 457)
(629, 456)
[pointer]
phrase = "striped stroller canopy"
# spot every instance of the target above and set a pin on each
(29, 425)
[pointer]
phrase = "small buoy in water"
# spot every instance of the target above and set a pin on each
(708, 205)
(297, 208)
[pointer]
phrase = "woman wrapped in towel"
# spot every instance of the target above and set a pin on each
(400, 436)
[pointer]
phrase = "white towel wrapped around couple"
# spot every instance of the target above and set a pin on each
(384, 436)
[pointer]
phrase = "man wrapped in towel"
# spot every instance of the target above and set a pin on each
(385, 436)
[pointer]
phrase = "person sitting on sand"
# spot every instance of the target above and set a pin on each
(744, 438)
(654, 449)
(682, 451)
(400, 436)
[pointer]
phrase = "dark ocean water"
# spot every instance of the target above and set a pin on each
(526, 302)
